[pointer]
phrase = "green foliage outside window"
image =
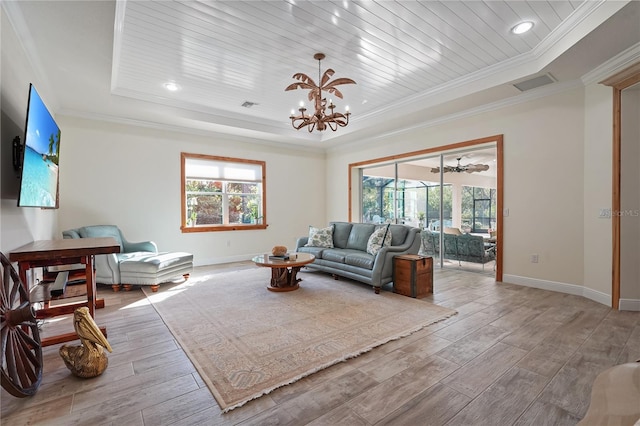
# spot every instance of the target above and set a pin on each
(478, 209)
(206, 200)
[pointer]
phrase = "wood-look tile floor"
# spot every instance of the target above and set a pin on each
(512, 356)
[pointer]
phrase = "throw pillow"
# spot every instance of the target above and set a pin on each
(381, 237)
(320, 237)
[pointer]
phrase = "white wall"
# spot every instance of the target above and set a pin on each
(543, 181)
(18, 226)
(598, 157)
(130, 176)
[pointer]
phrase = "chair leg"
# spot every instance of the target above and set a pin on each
(155, 287)
(115, 287)
(127, 287)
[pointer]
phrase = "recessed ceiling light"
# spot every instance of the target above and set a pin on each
(522, 27)
(171, 86)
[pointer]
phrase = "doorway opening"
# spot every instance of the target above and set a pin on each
(452, 193)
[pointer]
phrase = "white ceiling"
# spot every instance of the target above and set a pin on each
(413, 61)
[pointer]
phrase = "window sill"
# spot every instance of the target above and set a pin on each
(235, 227)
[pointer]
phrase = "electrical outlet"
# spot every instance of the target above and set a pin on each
(505, 212)
(228, 243)
(534, 258)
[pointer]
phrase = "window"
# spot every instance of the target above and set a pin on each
(478, 209)
(418, 202)
(222, 194)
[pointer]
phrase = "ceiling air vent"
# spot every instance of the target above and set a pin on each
(534, 82)
(249, 104)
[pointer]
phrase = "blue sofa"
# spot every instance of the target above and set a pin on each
(349, 257)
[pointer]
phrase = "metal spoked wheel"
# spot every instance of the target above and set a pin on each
(21, 347)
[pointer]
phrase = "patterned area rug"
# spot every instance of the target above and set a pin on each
(246, 341)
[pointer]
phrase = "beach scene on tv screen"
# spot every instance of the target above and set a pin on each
(39, 184)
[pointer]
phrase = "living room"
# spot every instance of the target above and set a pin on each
(557, 155)
(572, 148)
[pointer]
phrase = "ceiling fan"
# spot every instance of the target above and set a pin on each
(469, 168)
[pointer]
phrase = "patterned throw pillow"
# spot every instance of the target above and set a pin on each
(320, 237)
(381, 237)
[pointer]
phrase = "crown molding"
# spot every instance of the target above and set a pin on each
(583, 20)
(258, 139)
(613, 66)
(531, 95)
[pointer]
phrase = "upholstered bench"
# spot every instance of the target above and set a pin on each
(153, 269)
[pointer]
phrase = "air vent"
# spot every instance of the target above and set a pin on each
(534, 82)
(249, 104)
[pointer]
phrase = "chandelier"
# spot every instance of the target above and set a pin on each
(321, 119)
(469, 168)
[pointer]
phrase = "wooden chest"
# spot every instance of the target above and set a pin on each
(413, 275)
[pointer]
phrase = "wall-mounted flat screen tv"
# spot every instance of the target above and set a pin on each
(41, 155)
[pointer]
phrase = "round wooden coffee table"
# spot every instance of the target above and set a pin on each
(283, 272)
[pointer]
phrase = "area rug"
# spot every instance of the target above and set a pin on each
(246, 341)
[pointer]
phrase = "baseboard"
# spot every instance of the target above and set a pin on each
(597, 296)
(629, 304)
(227, 259)
(577, 290)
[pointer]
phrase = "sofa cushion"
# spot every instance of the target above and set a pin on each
(359, 236)
(153, 263)
(315, 251)
(381, 237)
(361, 260)
(341, 232)
(101, 231)
(320, 237)
(451, 245)
(334, 255)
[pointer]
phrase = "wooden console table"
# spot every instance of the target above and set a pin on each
(64, 252)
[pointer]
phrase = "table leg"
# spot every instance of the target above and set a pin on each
(284, 279)
(23, 267)
(91, 284)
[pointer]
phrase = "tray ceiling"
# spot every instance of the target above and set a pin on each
(411, 60)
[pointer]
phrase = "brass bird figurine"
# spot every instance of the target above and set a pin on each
(88, 359)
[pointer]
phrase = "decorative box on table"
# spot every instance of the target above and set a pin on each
(413, 275)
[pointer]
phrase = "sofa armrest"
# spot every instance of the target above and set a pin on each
(383, 264)
(70, 233)
(300, 242)
(140, 246)
(408, 244)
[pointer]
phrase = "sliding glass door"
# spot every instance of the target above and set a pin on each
(442, 193)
